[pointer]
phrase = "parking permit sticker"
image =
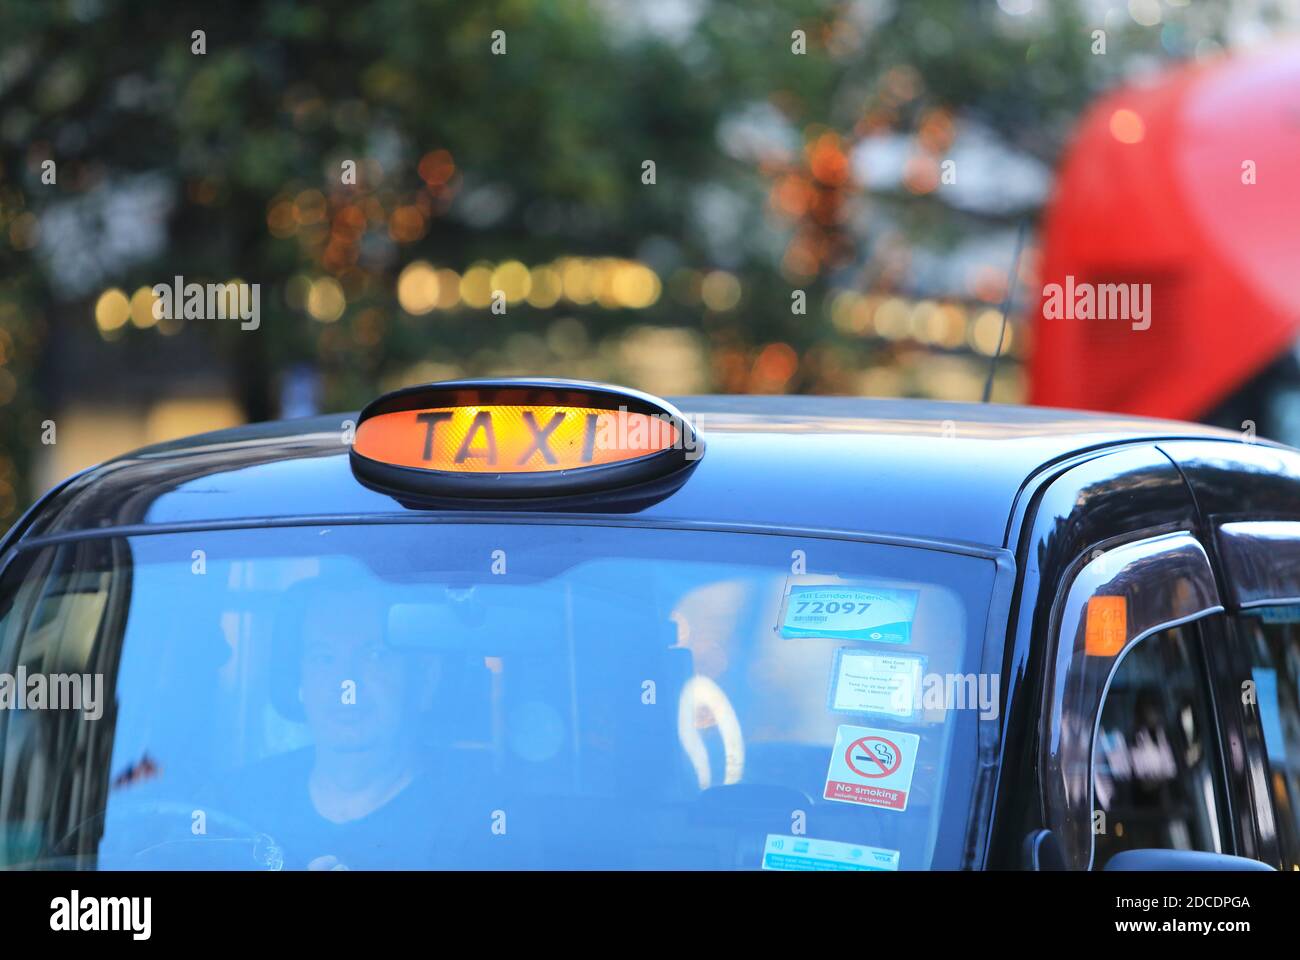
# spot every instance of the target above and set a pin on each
(880, 615)
(804, 853)
(868, 681)
(872, 767)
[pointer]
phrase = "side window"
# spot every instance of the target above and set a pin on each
(1155, 755)
(1129, 755)
(1272, 641)
(61, 614)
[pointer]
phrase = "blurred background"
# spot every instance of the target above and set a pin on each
(837, 192)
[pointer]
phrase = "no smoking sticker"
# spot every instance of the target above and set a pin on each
(872, 767)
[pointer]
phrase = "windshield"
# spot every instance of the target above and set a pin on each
(472, 695)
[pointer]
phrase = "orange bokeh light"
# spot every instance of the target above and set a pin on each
(436, 167)
(792, 195)
(776, 364)
(1127, 126)
(827, 160)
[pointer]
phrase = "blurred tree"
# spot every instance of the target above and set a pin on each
(464, 154)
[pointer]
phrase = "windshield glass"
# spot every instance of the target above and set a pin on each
(472, 695)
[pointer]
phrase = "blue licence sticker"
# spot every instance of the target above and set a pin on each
(805, 853)
(872, 614)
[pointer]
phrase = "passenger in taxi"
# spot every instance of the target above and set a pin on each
(372, 791)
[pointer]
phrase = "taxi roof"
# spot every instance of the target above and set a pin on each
(917, 470)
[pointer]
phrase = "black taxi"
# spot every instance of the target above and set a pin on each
(538, 624)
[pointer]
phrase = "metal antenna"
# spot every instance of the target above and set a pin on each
(1006, 309)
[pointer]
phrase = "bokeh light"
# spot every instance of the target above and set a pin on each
(418, 288)
(112, 310)
(1127, 126)
(325, 300)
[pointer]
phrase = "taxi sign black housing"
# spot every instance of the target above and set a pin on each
(417, 483)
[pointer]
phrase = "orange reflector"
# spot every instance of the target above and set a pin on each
(1106, 626)
(514, 438)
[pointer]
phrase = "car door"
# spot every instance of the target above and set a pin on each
(1152, 701)
(1248, 496)
(1260, 666)
(1132, 753)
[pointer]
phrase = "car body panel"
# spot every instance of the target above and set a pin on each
(943, 472)
(1123, 495)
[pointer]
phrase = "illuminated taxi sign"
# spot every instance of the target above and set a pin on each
(518, 439)
(514, 438)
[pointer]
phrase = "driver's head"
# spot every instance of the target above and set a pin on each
(358, 692)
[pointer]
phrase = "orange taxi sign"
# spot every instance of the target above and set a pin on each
(514, 438)
(518, 438)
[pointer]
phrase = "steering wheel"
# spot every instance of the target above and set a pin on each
(157, 835)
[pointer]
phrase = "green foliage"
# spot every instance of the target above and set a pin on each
(554, 133)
